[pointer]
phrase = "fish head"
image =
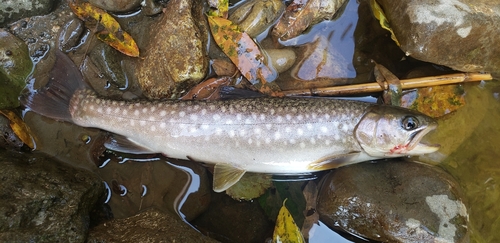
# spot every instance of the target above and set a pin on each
(389, 131)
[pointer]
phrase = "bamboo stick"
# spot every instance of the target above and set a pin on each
(405, 84)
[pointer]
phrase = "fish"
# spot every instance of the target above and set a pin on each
(262, 135)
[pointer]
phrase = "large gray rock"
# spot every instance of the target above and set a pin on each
(148, 226)
(394, 201)
(461, 34)
(42, 200)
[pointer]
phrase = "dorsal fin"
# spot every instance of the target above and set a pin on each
(225, 176)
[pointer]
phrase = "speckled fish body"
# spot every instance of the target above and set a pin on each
(268, 135)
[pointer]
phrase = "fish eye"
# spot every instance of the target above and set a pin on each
(409, 123)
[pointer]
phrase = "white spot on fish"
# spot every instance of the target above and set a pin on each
(218, 131)
(153, 128)
(212, 107)
(216, 117)
(269, 126)
(223, 109)
(238, 117)
(163, 125)
(300, 131)
(91, 107)
(182, 114)
(232, 133)
(132, 123)
(268, 140)
(300, 117)
(152, 109)
(288, 117)
(204, 111)
(136, 112)
(324, 129)
(327, 116)
(345, 128)
(337, 137)
(117, 110)
(229, 122)
(262, 117)
(313, 141)
(144, 110)
(277, 135)
(242, 132)
(207, 138)
(204, 127)
(302, 145)
(293, 141)
(250, 141)
(193, 117)
(192, 129)
(279, 119)
(196, 107)
(309, 126)
(163, 113)
(288, 130)
(272, 111)
(294, 110)
(248, 121)
(142, 123)
(257, 131)
(327, 142)
(314, 116)
(99, 110)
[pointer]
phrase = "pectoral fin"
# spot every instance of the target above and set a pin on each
(122, 144)
(225, 176)
(334, 161)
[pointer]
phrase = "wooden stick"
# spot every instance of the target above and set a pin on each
(405, 84)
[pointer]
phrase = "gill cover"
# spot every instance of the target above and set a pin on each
(389, 131)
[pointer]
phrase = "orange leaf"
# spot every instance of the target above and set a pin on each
(114, 35)
(19, 128)
(245, 54)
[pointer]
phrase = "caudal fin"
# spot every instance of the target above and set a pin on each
(53, 100)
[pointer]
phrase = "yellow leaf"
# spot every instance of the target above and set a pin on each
(19, 128)
(286, 230)
(245, 54)
(113, 34)
(435, 101)
(219, 8)
(384, 23)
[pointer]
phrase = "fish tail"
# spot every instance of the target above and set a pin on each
(54, 100)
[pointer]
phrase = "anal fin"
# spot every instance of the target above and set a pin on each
(122, 144)
(334, 161)
(225, 176)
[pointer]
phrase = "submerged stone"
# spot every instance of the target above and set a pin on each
(148, 226)
(175, 57)
(42, 200)
(11, 11)
(394, 201)
(461, 34)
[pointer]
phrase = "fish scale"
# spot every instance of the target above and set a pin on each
(266, 135)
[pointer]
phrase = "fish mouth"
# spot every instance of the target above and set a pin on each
(415, 146)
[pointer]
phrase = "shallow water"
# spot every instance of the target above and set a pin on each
(469, 137)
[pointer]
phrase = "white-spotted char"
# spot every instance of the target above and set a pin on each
(267, 135)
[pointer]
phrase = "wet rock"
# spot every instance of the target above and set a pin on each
(149, 226)
(281, 59)
(110, 66)
(42, 200)
(220, 220)
(255, 16)
(143, 182)
(461, 34)
(11, 11)
(175, 57)
(116, 5)
(300, 15)
(394, 201)
(71, 34)
(319, 60)
(8, 138)
(15, 66)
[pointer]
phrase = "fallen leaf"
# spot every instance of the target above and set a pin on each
(435, 101)
(207, 90)
(285, 229)
(113, 34)
(19, 128)
(250, 186)
(218, 8)
(245, 54)
(384, 23)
